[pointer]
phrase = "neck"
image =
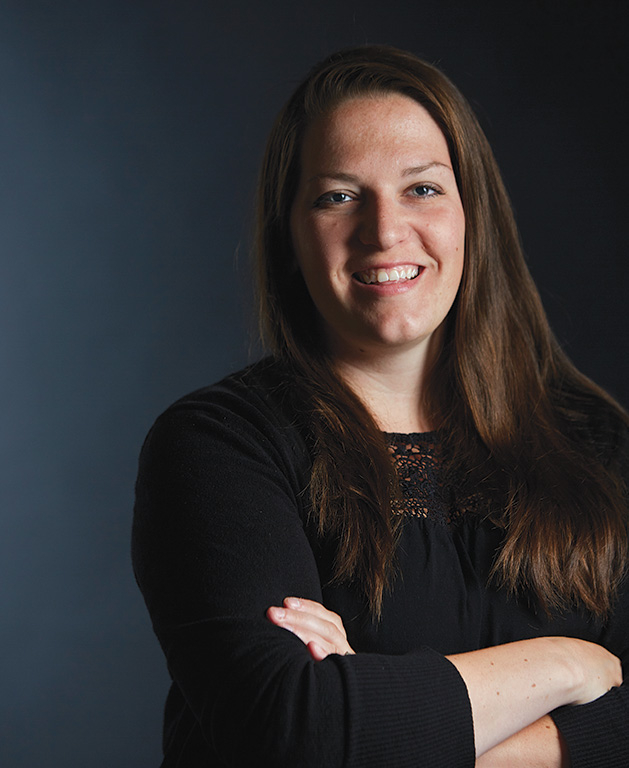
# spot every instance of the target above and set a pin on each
(391, 383)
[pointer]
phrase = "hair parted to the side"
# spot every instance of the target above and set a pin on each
(536, 436)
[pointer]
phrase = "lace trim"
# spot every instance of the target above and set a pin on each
(424, 490)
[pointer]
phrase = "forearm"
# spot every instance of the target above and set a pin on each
(512, 686)
(539, 745)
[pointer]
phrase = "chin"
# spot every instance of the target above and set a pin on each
(402, 337)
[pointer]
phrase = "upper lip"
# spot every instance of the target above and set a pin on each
(387, 266)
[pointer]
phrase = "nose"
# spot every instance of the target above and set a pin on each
(383, 224)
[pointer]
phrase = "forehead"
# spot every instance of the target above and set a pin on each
(392, 123)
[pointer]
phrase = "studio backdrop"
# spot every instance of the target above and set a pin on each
(130, 136)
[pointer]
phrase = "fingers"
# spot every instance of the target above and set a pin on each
(310, 628)
(316, 651)
(319, 629)
(315, 609)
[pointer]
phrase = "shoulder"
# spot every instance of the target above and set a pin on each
(263, 385)
(249, 413)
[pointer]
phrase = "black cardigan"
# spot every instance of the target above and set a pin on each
(221, 533)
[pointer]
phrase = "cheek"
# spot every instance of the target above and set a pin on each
(453, 247)
(454, 236)
(301, 238)
(314, 249)
(305, 256)
(453, 221)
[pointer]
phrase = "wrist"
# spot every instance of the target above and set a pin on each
(566, 670)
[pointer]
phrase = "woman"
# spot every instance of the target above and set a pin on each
(418, 484)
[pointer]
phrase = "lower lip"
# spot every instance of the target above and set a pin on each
(390, 288)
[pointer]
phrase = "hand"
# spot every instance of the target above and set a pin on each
(322, 631)
(597, 670)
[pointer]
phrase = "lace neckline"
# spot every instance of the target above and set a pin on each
(425, 492)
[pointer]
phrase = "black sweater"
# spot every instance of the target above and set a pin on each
(221, 533)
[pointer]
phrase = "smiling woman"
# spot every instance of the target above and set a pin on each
(377, 199)
(417, 484)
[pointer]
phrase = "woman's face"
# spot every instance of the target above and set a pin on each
(377, 224)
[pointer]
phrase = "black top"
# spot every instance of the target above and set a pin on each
(221, 533)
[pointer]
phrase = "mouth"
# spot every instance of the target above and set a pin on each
(378, 276)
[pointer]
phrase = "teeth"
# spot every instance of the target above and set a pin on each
(388, 275)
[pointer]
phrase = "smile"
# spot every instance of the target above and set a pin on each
(394, 275)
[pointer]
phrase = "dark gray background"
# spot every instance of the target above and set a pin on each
(130, 134)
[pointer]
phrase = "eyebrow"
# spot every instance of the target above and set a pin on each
(421, 168)
(351, 179)
(337, 175)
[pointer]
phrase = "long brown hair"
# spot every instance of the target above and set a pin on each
(536, 437)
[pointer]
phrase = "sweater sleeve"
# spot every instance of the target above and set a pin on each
(218, 537)
(597, 734)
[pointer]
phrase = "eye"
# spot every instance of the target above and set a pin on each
(333, 198)
(425, 190)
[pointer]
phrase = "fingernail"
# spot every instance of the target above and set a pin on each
(292, 602)
(279, 613)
